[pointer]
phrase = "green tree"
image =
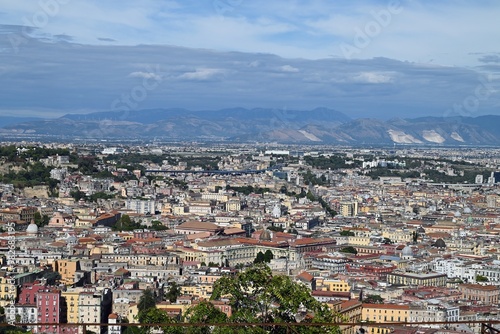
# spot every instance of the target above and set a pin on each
(347, 233)
(268, 256)
(349, 249)
(481, 279)
(414, 236)
(255, 295)
(37, 217)
(153, 315)
(174, 291)
(146, 302)
(125, 223)
(206, 313)
(310, 196)
(387, 241)
(373, 299)
(100, 195)
(45, 220)
(158, 226)
(275, 229)
(52, 277)
(77, 194)
(260, 258)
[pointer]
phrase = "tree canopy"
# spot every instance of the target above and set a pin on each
(174, 291)
(255, 295)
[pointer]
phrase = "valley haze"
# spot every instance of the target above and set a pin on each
(317, 126)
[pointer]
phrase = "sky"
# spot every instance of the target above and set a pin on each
(365, 58)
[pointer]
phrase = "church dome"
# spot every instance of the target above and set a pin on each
(440, 243)
(407, 251)
(265, 235)
(32, 228)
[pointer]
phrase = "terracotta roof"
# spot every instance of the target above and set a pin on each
(387, 306)
(349, 303)
(479, 287)
(305, 276)
(311, 241)
(319, 293)
(197, 225)
(199, 235)
(233, 230)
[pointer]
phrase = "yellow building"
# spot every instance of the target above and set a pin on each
(133, 313)
(173, 307)
(397, 235)
(67, 269)
(233, 205)
(71, 297)
(359, 241)
(349, 209)
(428, 279)
(201, 290)
(8, 291)
(350, 311)
(332, 285)
(383, 313)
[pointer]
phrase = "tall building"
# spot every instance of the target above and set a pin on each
(71, 297)
(491, 201)
(49, 310)
(94, 307)
(349, 209)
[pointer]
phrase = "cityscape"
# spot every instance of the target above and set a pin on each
(379, 235)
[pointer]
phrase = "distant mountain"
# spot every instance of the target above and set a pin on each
(11, 120)
(320, 125)
(152, 116)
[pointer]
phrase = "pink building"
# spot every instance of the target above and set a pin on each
(27, 296)
(48, 302)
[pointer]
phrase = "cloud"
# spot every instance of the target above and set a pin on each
(300, 29)
(63, 38)
(373, 78)
(57, 77)
(255, 63)
(104, 39)
(146, 75)
(490, 59)
(202, 74)
(288, 68)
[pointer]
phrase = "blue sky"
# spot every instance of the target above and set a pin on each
(364, 58)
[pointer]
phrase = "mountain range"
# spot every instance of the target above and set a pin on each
(320, 125)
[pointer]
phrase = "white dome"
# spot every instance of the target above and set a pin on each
(407, 251)
(32, 228)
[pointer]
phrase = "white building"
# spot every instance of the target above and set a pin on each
(114, 319)
(141, 206)
(89, 309)
(455, 268)
(24, 314)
